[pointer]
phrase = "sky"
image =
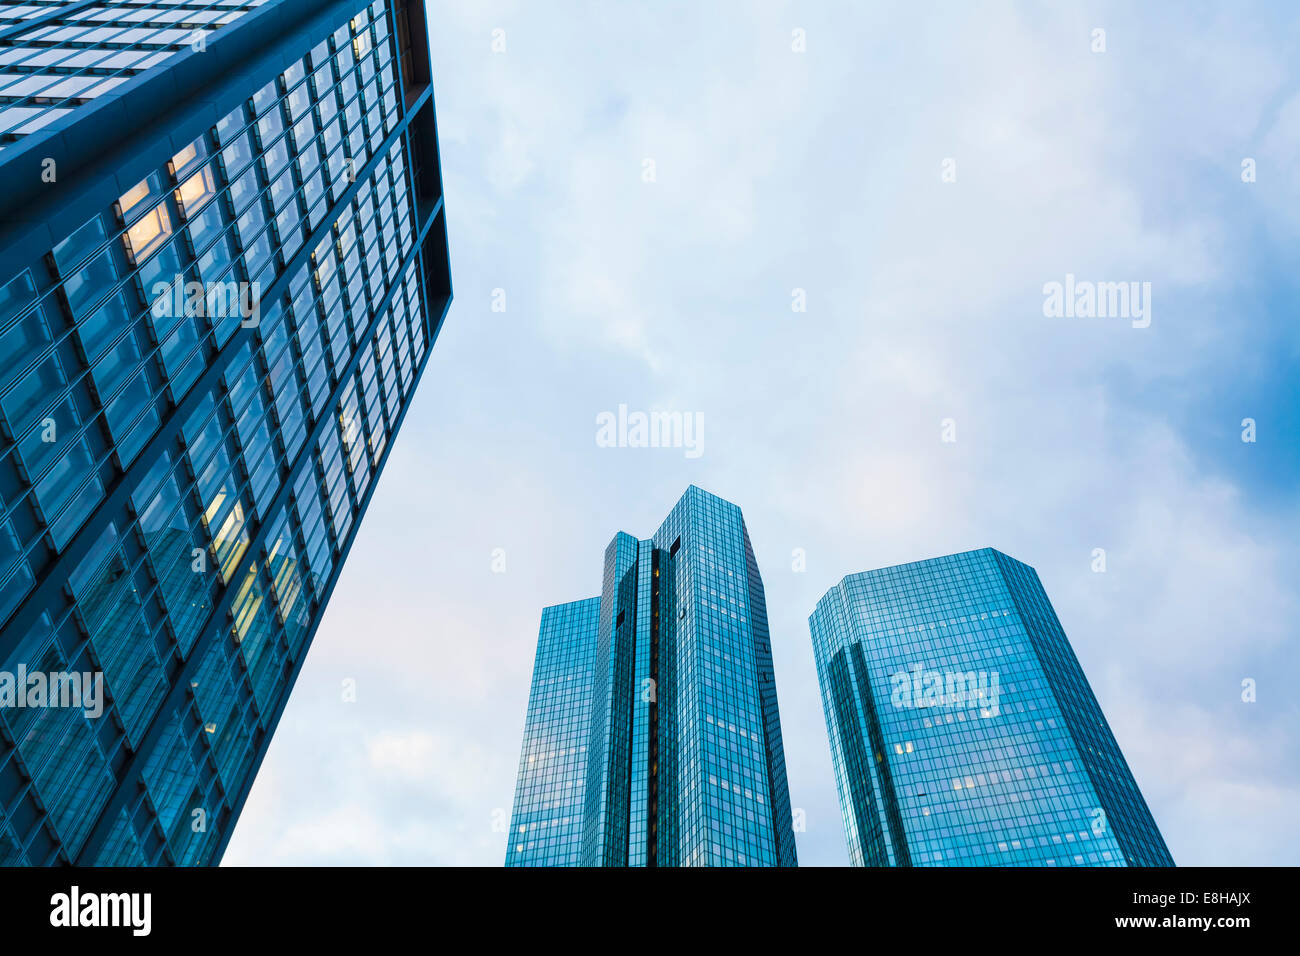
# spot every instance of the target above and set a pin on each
(826, 230)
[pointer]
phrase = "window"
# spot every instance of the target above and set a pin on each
(32, 392)
(184, 161)
(231, 124)
(244, 190)
(157, 278)
(265, 98)
(196, 191)
(120, 360)
(276, 158)
(146, 236)
(294, 74)
(282, 191)
(231, 541)
(178, 347)
(74, 250)
(83, 288)
(270, 126)
(67, 489)
(133, 202)
(205, 226)
(237, 154)
(15, 575)
(42, 445)
(16, 296)
(132, 405)
(21, 343)
(212, 264)
(288, 226)
(258, 254)
(304, 135)
(299, 102)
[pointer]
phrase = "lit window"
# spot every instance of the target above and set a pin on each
(187, 157)
(144, 238)
(218, 499)
(196, 191)
(249, 602)
(233, 540)
(133, 197)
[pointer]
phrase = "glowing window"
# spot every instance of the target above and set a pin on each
(187, 157)
(132, 198)
(144, 238)
(194, 192)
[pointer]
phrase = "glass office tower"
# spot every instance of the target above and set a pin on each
(223, 262)
(547, 821)
(652, 736)
(962, 729)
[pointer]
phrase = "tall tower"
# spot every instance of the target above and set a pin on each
(683, 761)
(962, 729)
(223, 262)
(546, 825)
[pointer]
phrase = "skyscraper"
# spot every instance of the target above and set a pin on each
(962, 729)
(547, 827)
(223, 262)
(652, 736)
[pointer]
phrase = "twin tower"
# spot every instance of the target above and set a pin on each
(962, 729)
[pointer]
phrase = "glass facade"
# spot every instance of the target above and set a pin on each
(200, 379)
(57, 56)
(546, 826)
(683, 763)
(962, 729)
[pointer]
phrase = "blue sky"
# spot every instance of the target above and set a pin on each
(777, 170)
